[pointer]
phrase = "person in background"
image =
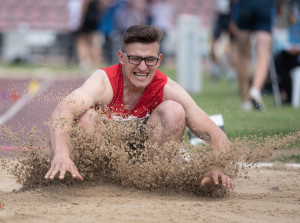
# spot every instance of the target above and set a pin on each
(221, 23)
(107, 26)
(225, 65)
(74, 9)
(162, 15)
(135, 12)
(116, 18)
(289, 57)
(253, 17)
(88, 45)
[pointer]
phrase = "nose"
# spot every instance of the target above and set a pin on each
(142, 66)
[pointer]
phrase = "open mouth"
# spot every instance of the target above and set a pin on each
(140, 74)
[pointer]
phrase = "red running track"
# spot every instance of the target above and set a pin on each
(25, 103)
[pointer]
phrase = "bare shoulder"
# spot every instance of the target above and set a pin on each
(98, 77)
(98, 87)
(173, 91)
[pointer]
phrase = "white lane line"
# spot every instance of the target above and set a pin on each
(295, 165)
(18, 105)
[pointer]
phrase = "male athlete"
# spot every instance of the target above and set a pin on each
(136, 89)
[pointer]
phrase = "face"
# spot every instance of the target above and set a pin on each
(139, 76)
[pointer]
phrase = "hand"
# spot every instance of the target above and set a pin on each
(62, 164)
(216, 177)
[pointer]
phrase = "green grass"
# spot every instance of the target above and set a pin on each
(222, 97)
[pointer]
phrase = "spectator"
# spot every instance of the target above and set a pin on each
(74, 8)
(135, 12)
(289, 57)
(88, 37)
(116, 18)
(253, 16)
(107, 26)
(223, 24)
(161, 15)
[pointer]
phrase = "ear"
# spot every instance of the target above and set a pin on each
(121, 57)
(160, 59)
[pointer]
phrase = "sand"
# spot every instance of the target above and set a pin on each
(265, 195)
(122, 186)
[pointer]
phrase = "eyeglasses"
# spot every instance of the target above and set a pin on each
(136, 60)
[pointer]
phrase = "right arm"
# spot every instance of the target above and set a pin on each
(95, 90)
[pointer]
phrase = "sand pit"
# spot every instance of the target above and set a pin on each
(144, 191)
(266, 195)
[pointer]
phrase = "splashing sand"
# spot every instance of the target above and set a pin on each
(121, 157)
(122, 185)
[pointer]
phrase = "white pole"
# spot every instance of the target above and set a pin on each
(188, 59)
(296, 87)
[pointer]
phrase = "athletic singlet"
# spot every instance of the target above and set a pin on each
(151, 98)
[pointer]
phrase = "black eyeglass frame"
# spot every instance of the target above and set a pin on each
(141, 59)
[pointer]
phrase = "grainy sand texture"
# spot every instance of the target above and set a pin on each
(265, 195)
(121, 186)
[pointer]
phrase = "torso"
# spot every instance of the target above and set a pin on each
(126, 105)
(131, 99)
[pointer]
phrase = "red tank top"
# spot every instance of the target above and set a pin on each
(151, 98)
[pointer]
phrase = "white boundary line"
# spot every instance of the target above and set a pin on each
(294, 165)
(18, 105)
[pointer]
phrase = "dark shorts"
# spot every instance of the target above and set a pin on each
(138, 136)
(133, 134)
(221, 25)
(255, 15)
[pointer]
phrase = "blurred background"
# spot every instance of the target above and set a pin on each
(44, 32)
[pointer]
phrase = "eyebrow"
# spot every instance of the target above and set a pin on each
(140, 56)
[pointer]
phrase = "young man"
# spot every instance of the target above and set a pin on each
(136, 89)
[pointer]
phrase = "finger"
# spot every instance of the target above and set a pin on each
(49, 171)
(79, 177)
(206, 181)
(54, 172)
(75, 173)
(224, 179)
(229, 182)
(62, 173)
(232, 184)
(215, 177)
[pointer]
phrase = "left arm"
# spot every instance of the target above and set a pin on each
(203, 127)
(197, 120)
